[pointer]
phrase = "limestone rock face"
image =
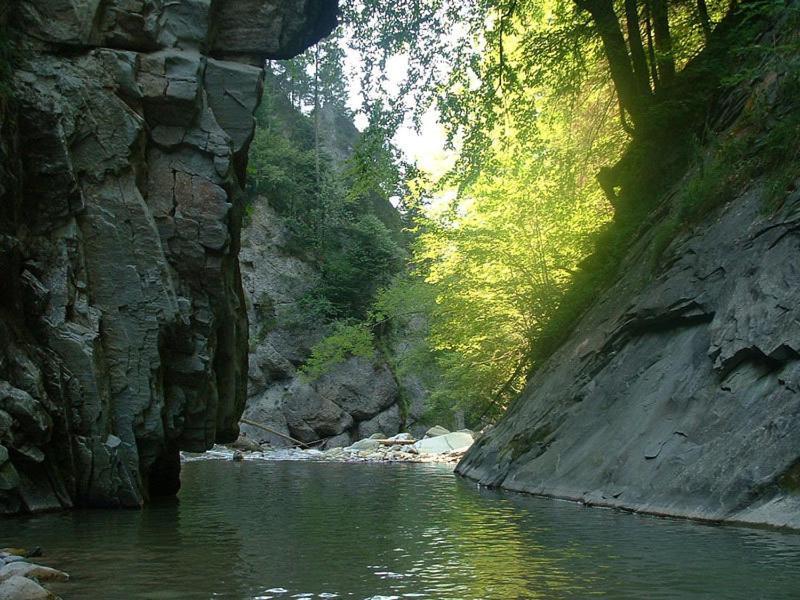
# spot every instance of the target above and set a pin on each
(679, 396)
(123, 329)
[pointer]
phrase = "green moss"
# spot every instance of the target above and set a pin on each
(524, 442)
(790, 480)
(665, 232)
(346, 340)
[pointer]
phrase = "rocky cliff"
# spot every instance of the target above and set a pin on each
(678, 393)
(354, 398)
(123, 332)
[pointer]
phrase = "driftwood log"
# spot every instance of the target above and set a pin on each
(278, 433)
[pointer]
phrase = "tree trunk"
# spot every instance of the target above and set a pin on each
(616, 51)
(316, 115)
(651, 52)
(638, 58)
(664, 57)
(320, 199)
(705, 21)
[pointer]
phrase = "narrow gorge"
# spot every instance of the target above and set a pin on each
(377, 299)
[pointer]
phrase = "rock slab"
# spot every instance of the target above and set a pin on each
(683, 400)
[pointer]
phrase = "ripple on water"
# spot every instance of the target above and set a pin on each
(369, 531)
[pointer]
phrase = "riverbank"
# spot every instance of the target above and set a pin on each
(21, 579)
(438, 446)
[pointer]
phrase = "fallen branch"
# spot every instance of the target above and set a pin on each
(270, 430)
(397, 442)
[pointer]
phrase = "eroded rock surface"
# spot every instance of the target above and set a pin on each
(123, 330)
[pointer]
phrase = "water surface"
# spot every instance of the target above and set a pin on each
(262, 529)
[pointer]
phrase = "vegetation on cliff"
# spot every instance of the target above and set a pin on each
(306, 160)
(569, 120)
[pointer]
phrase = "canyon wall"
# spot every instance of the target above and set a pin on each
(123, 329)
(354, 398)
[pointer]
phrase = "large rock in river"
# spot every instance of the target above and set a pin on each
(123, 332)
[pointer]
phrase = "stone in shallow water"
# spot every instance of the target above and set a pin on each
(340, 441)
(22, 588)
(31, 570)
(366, 445)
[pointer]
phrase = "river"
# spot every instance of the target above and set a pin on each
(268, 529)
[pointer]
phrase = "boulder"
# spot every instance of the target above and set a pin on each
(449, 442)
(435, 431)
(29, 570)
(246, 444)
(340, 441)
(12, 558)
(365, 445)
(363, 387)
(386, 422)
(267, 409)
(22, 588)
(306, 409)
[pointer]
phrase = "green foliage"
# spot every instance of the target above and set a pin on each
(364, 258)
(530, 93)
(726, 168)
(336, 208)
(345, 341)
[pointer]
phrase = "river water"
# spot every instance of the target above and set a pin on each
(266, 529)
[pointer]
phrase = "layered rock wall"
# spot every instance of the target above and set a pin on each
(123, 330)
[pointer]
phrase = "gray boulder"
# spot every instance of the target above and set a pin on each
(366, 445)
(435, 431)
(361, 386)
(339, 441)
(31, 571)
(22, 588)
(450, 442)
(387, 422)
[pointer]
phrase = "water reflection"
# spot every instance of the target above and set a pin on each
(289, 529)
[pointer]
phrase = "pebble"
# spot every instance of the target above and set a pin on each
(366, 450)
